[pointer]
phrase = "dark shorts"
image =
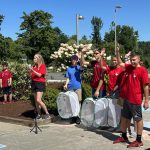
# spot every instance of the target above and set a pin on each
(131, 110)
(7, 90)
(38, 86)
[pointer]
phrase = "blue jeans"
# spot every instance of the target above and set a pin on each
(101, 93)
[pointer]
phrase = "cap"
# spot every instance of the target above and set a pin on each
(74, 57)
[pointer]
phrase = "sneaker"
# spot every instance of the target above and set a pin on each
(47, 116)
(10, 101)
(73, 120)
(135, 144)
(78, 120)
(4, 102)
(38, 117)
(120, 140)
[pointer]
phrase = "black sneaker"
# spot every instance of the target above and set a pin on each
(73, 120)
(78, 120)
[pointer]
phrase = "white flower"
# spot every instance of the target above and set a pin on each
(66, 53)
(55, 52)
(51, 67)
(108, 58)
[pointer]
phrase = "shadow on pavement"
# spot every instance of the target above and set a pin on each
(105, 131)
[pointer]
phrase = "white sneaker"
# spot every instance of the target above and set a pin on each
(47, 116)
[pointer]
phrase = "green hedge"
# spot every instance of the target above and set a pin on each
(86, 91)
(49, 98)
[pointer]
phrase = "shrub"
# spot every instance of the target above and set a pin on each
(21, 82)
(49, 98)
(86, 91)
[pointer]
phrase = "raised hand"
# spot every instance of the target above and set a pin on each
(103, 51)
(85, 49)
(128, 54)
(117, 49)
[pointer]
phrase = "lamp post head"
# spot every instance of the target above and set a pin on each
(80, 17)
(117, 7)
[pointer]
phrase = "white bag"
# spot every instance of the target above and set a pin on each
(87, 112)
(114, 113)
(68, 104)
(101, 112)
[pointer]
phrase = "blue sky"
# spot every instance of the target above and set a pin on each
(134, 13)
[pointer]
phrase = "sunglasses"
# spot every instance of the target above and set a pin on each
(96, 53)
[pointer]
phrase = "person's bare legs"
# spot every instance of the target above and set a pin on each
(40, 102)
(37, 106)
(139, 125)
(124, 124)
(10, 97)
(5, 98)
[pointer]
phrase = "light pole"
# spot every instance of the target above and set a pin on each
(78, 17)
(116, 7)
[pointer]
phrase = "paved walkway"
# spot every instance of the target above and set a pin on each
(59, 136)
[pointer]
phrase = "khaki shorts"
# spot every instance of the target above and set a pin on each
(79, 93)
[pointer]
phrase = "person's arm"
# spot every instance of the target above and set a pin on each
(101, 59)
(115, 88)
(66, 84)
(146, 94)
(41, 72)
(119, 58)
(96, 94)
(10, 81)
(38, 74)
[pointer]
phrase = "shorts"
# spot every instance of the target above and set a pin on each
(38, 86)
(7, 90)
(131, 110)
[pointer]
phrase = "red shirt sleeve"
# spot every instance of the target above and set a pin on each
(144, 76)
(42, 69)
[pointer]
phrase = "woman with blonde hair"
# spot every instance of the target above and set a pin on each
(38, 72)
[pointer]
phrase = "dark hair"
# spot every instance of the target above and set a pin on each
(4, 63)
(74, 57)
(96, 50)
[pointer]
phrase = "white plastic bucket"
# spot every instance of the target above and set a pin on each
(68, 104)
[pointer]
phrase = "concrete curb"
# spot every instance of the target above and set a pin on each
(26, 122)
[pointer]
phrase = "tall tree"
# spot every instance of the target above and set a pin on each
(1, 20)
(84, 40)
(126, 36)
(37, 34)
(97, 25)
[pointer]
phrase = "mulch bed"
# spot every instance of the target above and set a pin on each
(23, 109)
(17, 109)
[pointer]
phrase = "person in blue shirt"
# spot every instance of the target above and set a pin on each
(73, 81)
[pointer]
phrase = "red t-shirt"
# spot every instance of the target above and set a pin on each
(136, 78)
(42, 70)
(5, 75)
(97, 74)
(113, 74)
(121, 82)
